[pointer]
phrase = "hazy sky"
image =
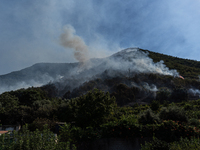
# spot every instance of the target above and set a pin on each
(30, 29)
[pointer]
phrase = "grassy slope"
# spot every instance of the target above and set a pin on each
(187, 68)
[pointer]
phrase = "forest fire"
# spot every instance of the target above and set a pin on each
(181, 77)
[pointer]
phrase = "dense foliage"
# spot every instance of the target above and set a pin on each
(152, 106)
(91, 109)
(95, 115)
(37, 140)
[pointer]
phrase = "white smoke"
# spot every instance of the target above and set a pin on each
(151, 87)
(138, 62)
(146, 86)
(69, 40)
(135, 85)
(42, 80)
(194, 92)
(19, 86)
(119, 64)
(126, 62)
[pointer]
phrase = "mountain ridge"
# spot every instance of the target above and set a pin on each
(135, 59)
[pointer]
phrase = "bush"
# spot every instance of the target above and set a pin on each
(70, 133)
(163, 94)
(148, 117)
(183, 144)
(197, 114)
(196, 102)
(188, 107)
(40, 123)
(165, 103)
(155, 105)
(156, 144)
(173, 113)
(171, 131)
(194, 122)
(186, 144)
(40, 140)
(123, 128)
(92, 109)
(179, 94)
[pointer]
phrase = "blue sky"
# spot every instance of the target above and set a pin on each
(30, 29)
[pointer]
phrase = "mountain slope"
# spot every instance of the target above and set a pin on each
(36, 75)
(126, 63)
(187, 68)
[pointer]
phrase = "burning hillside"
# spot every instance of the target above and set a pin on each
(128, 62)
(129, 75)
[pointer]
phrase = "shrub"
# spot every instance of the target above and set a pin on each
(91, 109)
(124, 127)
(196, 102)
(173, 113)
(70, 133)
(183, 144)
(155, 105)
(186, 144)
(163, 94)
(40, 123)
(171, 131)
(197, 114)
(156, 144)
(40, 140)
(194, 122)
(165, 103)
(188, 107)
(179, 94)
(148, 117)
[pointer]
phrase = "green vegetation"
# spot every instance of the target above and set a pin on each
(183, 144)
(37, 140)
(92, 109)
(187, 68)
(168, 116)
(96, 115)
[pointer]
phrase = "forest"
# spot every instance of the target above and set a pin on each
(161, 108)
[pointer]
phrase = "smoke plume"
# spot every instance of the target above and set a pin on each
(139, 62)
(37, 82)
(69, 40)
(194, 92)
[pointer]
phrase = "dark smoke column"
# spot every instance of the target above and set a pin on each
(68, 39)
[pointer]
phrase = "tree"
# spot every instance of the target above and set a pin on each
(92, 109)
(28, 96)
(179, 94)
(8, 105)
(163, 94)
(8, 101)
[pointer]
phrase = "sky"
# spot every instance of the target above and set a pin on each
(30, 30)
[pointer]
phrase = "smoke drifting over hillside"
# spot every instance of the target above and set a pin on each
(69, 40)
(20, 85)
(128, 62)
(33, 27)
(194, 92)
(138, 62)
(38, 81)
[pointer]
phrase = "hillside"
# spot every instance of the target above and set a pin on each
(134, 93)
(139, 79)
(36, 75)
(187, 68)
(143, 71)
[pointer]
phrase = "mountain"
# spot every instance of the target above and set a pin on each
(36, 75)
(133, 70)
